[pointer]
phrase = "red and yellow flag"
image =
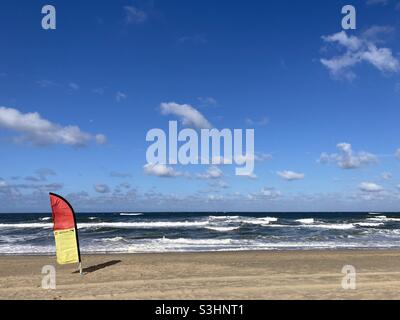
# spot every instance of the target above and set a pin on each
(65, 230)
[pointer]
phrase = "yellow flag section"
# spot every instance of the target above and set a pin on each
(66, 246)
(65, 231)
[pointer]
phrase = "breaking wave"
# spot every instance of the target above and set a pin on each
(305, 221)
(176, 232)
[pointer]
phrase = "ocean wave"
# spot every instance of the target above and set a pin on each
(45, 218)
(38, 225)
(222, 229)
(259, 221)
(122, 245)
(206, 245)
(369, 224)
(383, 218)
(144, 225)
(17, 238)
(377, 218)
(224, 217)
(131, 214)
(305, 221)
(27, 249)
(120, 225)
(115, 239)
(334, 226)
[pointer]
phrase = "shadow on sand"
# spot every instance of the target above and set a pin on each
(99, 266)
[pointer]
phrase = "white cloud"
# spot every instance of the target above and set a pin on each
(115, 174)
(119, 96)
(46, 83)
(270, 193)
(212, 172)
(261, 157)
(207, 101)
(290, 175)
(349, 42)
(358, 50)
(386, 176)
(249, 175)
(370, 187)
(381, 58)
(134, 15)
(101, 139)
(42, 175)
(188, 115)
(160, 170)
(102, 188)
(260, 122)
(197, 39)
(375, 33)
(215, 197)
(3, 183)
(347, 158)
(265, 193)
(99, 91)
(73, 86)
(398, 154)
(219, 184)
(38, 131)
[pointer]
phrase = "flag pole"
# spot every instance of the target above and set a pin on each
(77, 240)
(80, 268)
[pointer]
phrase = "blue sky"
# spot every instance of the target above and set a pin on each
(76, 103)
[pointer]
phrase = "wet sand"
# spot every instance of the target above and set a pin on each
(230, 275)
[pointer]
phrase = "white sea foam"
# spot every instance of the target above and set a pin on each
(26, 249)
(223, 229)
(369, 224)
(131, 214)
(369, 234)
(115, 239)
(378, 218)
(121, 225)
(17, 238)
(38, 225)
(144, 225)
(196, 241)
(45, 218)
(259, 221)
(202, 245)
(121, 245)
(383, 218)
(281, 226)
(305, 221)
(333, 226)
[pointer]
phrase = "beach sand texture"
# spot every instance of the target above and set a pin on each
(228, 275)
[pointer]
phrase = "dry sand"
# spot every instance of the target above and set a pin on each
(231, 275)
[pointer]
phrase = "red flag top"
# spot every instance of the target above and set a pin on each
(63, 215)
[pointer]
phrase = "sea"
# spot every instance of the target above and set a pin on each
(145, 232)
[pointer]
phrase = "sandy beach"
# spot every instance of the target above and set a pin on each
(230, 275)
